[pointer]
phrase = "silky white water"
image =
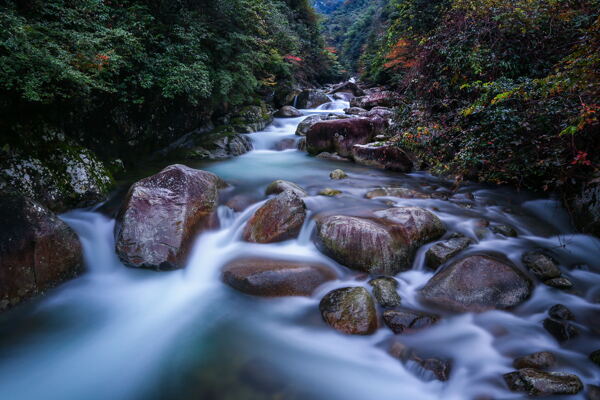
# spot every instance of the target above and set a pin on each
(120, 333)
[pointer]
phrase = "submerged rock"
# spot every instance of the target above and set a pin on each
(281, 186)
(340, 135)
(441, 252)
(279, 219)
(477, 283)
(162, 214)
(382, 155)
(337, 174)
(266, 277)
(311, 98)
(559, 311)
(285, 144)
(37, 249)
(288, 112)
(504, 230)
(350, 310)
(539, 360)
(540, 383)
(408, 321)
(384, 290)
(560, 329)
(440, 368)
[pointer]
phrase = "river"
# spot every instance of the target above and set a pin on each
(119, 333)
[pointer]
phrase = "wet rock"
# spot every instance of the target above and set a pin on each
(383, 98)
(343, 96)
(288, 112)
(329, 192)
(559, 311)
(162, 214)
(504, 230)
(595, 357)
(354, 110)
(301, 145)
(408, 321)
(441, 252)
(382, 155)
(331, 157)
(540, 383)
(281, 186)
(559, 283)
(279, 219)
(441, 369)
(560, 329)
(541, 265)
(593, 392)
(477, 283)
(340, 135)
(539, 360)
(348, 87)
(384, 290)
(350, 310)
(382, 246)
(308, 122)
(266, 277)
(338, 174)
(240, 202)
(311, 98)
(285, 144)
(37, 249)
(403, 193)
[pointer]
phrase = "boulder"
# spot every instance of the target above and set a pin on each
(350, 310)
(266, 277)
(162, 214)
(441, 252)
(309, 121)
(37, 249)
(383, 98)
(402, 193)
(540, 383)
(383, 245)
(311, 98)
(355, 111)
(383, 155)
(408, 321)
(348, 87)
(281, 218)
(288, 112)
(381, 112)
(541, 265)
(340, 135)
(539, 360)
(338, 174)
(280, 186)
(384, 290)
(477, 283)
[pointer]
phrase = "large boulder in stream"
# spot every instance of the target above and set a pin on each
(267, 277)
(281, 218)
(477, 283)
(382, 155)
(311, 98)
(384, 98)
(280, 186)
(308, 122)
(163, 213)
(350, 310)
(539, 383)
(37, 249)
(340, 135)
(384, 244)
(287, 112)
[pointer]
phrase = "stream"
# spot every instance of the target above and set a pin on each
(120, 333)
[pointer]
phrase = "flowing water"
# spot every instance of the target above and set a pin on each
(118, 333)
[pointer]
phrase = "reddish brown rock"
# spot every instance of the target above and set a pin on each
(477, 283)
(279, 219)
(340, 135)
(162, 214)
(350, 310)
(382, 155)
(37, 249)
(266, 277)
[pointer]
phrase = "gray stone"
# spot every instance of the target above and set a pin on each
(350, 310)
(540, 383)
(384, 290)
(441, 252)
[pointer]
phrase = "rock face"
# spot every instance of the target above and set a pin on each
(311, 98)
(383, 98)
(384, 245)
(408, 321)
(539, 360)
(266, 277)
(162, 214)
(350, 310)
(279, 219)
(477, 283)
(37, 249)
(539, 383)
(382, 155)
(384, 290)
(441, 252)
(288, 112)
(340, 135)
(281, 186)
